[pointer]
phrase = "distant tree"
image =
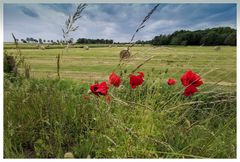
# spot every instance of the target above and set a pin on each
(28, 39)
(23, 41)
(213, 36)
(209, 38)
(70, 40)
(40, 41)
(94, 41)
(175, 41)
(231, 40)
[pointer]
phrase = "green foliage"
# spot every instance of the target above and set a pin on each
(47, 118)
(231, 39)
(10, 65)
(208, 37)
(94, 41)
(85, 65)
(7, 66)
(162, 39)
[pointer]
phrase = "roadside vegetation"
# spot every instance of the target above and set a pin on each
(119, 100)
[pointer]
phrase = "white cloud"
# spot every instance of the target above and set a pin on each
(114, 21)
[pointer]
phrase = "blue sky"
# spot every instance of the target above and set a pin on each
(113, 21)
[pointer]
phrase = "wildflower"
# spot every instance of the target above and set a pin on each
(191, 78)
(171, 81)
(101, 88)
(141, 74)
(136, 80)
(190, 90)
(114, 79)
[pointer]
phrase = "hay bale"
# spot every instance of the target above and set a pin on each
(109, 46)
(217, 48)
(124, 54)
(42, 47)
(86, 47)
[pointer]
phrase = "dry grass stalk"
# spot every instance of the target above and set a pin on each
(21, 59)
(69, 27)
(58, 66)
(27, 71)
(142, 25)
(142, 64)
(125, 54)
(69, 24)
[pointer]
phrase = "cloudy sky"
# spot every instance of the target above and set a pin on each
(113, 21)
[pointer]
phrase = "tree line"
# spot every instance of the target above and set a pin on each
(94, 41)
(79, 41)
(40, 40)
(207, 37)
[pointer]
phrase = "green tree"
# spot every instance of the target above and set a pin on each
(231, 39)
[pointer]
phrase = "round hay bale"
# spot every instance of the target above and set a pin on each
(109, 46)
(217, 48)
(42, 47)
(86, 47)
(124, 54)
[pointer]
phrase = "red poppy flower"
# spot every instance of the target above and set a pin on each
(136, 80)
(171, 81)
(141, 74)
(101, 88)
(190, 90)
(114, 79)
(191, 78)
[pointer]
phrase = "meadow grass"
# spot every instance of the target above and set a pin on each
(45, 117)
(97, 63)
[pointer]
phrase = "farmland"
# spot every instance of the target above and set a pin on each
(46, 117)
(96, 63)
